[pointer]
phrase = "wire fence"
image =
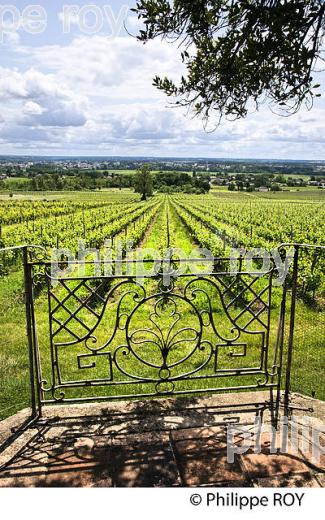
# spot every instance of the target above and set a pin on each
(308, 361)
(14, 355)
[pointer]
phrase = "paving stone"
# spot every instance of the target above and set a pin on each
(273, 454)
(199, 433)
(198, 469)
(172, 442)
(201, 455)
(313, 450)
(60, 479)
(266, 465)
(304, 480)
(149, 463)
(154, 438)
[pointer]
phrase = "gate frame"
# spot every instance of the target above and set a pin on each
(27, 252)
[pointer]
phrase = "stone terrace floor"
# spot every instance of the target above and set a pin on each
(172, 442)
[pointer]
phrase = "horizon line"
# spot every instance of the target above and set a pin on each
(148, 157)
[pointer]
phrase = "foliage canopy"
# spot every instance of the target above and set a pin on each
(143, 181)
(239, 54)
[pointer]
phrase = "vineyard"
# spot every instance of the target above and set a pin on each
(218, 222)
(222, 226)
(213, 221)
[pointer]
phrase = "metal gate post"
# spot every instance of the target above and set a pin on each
(30, 329)
(291, 330)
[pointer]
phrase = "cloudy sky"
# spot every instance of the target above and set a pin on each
(87, 89)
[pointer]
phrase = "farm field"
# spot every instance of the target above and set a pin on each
(304, 194)
(219, 222)
(44, 196)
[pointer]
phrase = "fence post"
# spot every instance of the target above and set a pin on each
(168, 231)
(29, 327)
(278, 355)
(291, 330)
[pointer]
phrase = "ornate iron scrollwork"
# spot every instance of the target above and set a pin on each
(155, 338)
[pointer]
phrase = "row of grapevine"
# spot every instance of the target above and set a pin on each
(219, 227)
(28, 211)
(94, 228)
(90, 226)
(263, 222)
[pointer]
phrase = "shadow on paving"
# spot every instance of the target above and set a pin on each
(155, 444)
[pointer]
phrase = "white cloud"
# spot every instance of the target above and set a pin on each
(32, 108)
(39, 99)
(95, 95)
(110, 67)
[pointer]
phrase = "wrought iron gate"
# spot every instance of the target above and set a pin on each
(171, 332)
(126, 335)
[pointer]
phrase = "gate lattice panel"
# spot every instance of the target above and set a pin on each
(123, 336)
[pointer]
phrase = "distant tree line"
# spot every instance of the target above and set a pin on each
(112, 168)
(252, 182)
(196, 182)
(79, 180)
(174, 182)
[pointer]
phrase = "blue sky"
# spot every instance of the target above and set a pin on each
(72, 90)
